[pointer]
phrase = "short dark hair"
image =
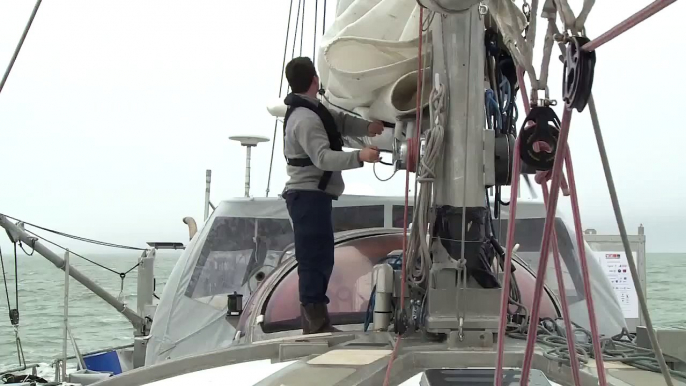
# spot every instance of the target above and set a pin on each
(299, 72)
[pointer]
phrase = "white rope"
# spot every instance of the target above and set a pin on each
(531, 33)
(580, 22)
(573, 23)
(419, 254)
(547, 53)
(566, 14)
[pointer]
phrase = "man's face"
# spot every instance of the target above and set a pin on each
(315, 82)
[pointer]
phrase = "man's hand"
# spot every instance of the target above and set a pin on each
(369, 154)
(375, 128)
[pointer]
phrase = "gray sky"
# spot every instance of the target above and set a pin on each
(114, 110)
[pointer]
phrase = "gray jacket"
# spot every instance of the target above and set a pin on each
(306, 137)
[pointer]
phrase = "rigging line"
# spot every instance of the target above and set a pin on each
(625, 239)
(627, 24)
(302, 29)
(78, 238)
(314, 35)
(510, 242)
(21, 245)
(583, 259)
(276, 120)
(19, 45)
(4, 280)
(295, 34)
(426, 24)
(324, 20)
(120, 274)
(571, 346)
(545, 248)
(623, 233)
(403, 273)
(16, 279)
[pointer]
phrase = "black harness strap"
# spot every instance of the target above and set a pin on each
(335, 140)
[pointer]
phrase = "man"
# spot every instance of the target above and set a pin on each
(313, 150)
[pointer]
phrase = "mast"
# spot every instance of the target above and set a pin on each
(454, 298)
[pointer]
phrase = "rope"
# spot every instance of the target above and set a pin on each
(582, 257)
(574, 362)
(619, 348)
(507, 264)
(120, 274)
(302, 29)
(419, 247)
(426, 24)
(324, 19)
(14, 312)
(4, 280)
(403, 270)
(647, 12)
(547, 53)
(314, 35)
(551, 205)
(78, 238)
(625, 242)
(19, 45)
(531, 31)
(276, 121)
(563, 298)
(16, 279)
(627, 24)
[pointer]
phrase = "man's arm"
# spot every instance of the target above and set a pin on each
(350, 125)
(311, 135)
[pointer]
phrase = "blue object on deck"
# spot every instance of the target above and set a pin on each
(107, 361)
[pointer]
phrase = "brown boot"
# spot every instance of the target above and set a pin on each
(327, 321)
(315, 319)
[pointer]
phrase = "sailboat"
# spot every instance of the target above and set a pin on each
(464, 295)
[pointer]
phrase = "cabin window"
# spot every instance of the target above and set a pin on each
(349, 288)
(351, 284)
(399, 215)
(234, 250)
(347, 218)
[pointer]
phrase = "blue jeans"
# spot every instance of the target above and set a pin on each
(311, 213)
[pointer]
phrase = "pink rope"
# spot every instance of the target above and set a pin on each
(584, 269)
(574, 359)
(545, 245)
(507, 265)
(627, 24)
(542, 177)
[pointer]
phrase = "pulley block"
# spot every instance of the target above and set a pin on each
(401, 323)
(579, 67)
(504, 155)
(14, 317)
(538, 138)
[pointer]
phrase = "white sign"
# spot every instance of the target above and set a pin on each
(616, 268)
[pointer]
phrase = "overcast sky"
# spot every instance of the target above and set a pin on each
(114, 110)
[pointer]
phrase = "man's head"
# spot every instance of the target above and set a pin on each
(302, 76)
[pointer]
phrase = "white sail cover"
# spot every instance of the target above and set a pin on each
(370, 46)
(368, 58)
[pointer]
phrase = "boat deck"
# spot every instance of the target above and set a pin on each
(362, 359)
